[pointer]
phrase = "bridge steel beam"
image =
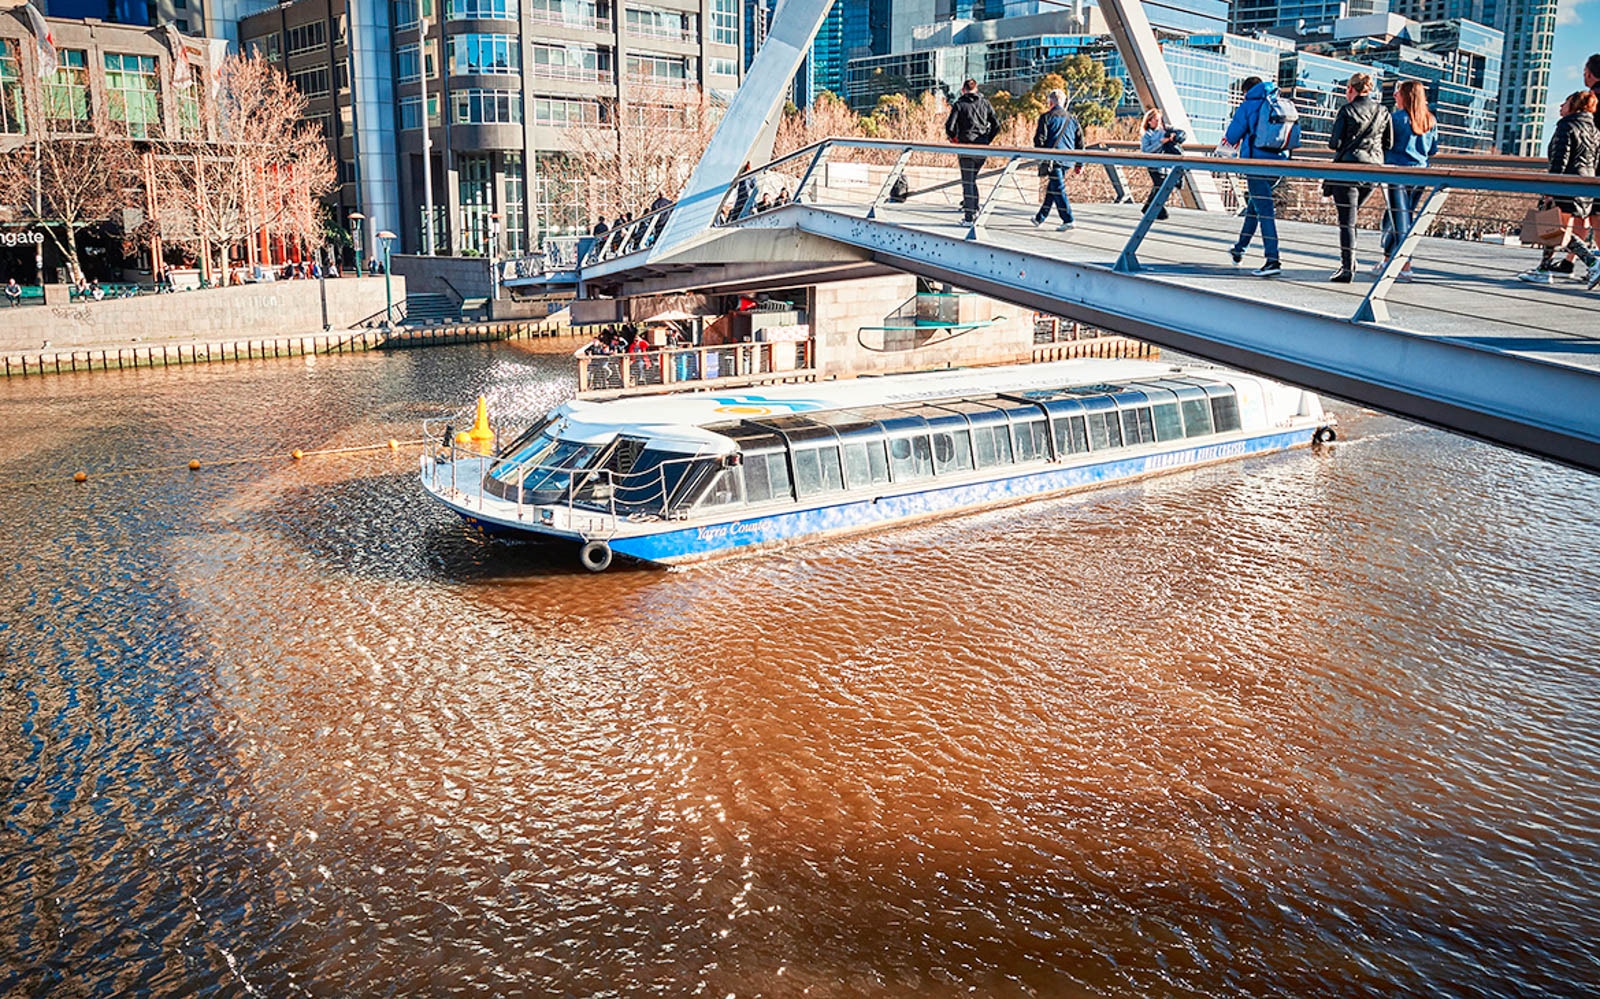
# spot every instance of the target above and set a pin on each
(1528, 404)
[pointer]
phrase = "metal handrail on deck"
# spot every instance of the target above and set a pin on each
(688, 365)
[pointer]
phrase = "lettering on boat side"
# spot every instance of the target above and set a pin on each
(721, 532)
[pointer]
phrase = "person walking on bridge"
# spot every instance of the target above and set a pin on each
(971, 122)
(1362, 133)
(1575, 152)
(1264, 127)
(1057, 129)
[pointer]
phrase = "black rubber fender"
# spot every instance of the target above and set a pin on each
(595, 556)
(1324, 435)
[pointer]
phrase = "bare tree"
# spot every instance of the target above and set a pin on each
(828, 117)
(75, 175)
(248, 165)
(642, 148)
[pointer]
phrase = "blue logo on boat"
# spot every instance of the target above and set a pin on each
(760, 405)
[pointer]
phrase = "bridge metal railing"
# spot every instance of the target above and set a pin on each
(1488, 200)
(621, 374)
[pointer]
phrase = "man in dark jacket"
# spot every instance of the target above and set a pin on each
(972, 122)
(1057, 129)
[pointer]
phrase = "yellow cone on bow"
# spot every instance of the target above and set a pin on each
(481, 437)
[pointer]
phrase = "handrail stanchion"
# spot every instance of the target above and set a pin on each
(1128, 262)
(994, 195)
(1375, 308)
(888, 183)
(811, 170)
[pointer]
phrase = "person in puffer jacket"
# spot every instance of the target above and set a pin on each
(1574, 151)
(1259, 207)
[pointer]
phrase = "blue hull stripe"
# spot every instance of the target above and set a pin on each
(693, 543)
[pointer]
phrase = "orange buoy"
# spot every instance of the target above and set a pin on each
(297, 454)
(80, 477)
(194, 466)
(394, 445)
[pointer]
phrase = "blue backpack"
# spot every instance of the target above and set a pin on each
(1275, 125)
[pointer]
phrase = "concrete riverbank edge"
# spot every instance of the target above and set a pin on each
(113, 357)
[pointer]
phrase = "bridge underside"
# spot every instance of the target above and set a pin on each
(1527, 399)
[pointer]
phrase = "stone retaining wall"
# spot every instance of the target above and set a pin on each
(258, 311)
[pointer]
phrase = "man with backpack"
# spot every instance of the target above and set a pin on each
(1265, 126)
(971, 122)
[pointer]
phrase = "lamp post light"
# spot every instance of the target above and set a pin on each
(386, 237)
(494, 255)
(356, 219)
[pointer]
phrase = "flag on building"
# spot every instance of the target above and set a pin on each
(45, 40)
(182, 72)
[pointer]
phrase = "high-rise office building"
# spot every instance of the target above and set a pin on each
(1259, 15)
(1529, 27)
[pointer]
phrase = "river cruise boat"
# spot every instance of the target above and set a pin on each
(672, 479)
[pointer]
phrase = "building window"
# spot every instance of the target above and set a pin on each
(725, 22)
(407, 69)
(570, 62)
(485, 107)
(660, 71)
(133, 94)
(406, 11)
(475, 185)
(481, 10)
(66, 93)
(485, 54)
(269, 47)
(411, 112)
(571, 13)
(718, 66)
(653, 22)
(11, 96)
(560, 196)
(516, 237)
(564, 111)
(311, 82)
(307, 37)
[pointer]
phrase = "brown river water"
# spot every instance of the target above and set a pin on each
(1319, 724)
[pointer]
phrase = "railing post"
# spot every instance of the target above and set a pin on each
(811, 171)
(1375, 307)
(1128, 262)
(994, 195)
(888, 183)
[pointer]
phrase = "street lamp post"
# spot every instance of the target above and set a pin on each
(355, 220)
(494, 254)
(386, 237)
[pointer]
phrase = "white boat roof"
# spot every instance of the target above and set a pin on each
(677, 416)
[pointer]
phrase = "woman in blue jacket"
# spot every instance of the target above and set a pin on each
(1416, 140)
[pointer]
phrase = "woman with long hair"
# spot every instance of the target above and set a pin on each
(1416, 140)
(1361, 134)
(1575, 152)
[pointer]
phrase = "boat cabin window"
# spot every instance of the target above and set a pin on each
(817, 470)
(1137, 427)
(1225, 411)
(866, 463)
(910, 458)
(766, 477)
(528, 436)
(1105, 430)
(726, 489)
(1196, 412)
(991, 445)
(657, 478)
(952, 451)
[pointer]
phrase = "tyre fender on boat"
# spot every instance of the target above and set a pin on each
(595, 556)
(1324, 435)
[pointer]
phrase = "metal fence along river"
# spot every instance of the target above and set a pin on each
(1318, 724)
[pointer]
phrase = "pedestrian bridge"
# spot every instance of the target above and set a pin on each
(1463, 345)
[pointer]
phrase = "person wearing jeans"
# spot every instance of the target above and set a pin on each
(1259, 209)
(1057, 129)
(1362, 133)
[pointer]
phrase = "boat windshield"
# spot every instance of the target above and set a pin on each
(542, 468)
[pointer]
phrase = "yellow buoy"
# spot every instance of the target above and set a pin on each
(80, 477)
(194, 466)
(481, 436)
(394, 445)
(297, 454)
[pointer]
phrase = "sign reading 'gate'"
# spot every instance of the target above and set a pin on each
(21, 238)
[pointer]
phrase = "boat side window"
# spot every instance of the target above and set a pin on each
(817, 471)
(952, 451)
(726, 489)
(910, 458)
(1196, 417)
(766, 477)
(1169, 425)
(1105, 430)
(1225, 411)
(1137, 427)
(866, 463)
(1030, 437)
(992, 445)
